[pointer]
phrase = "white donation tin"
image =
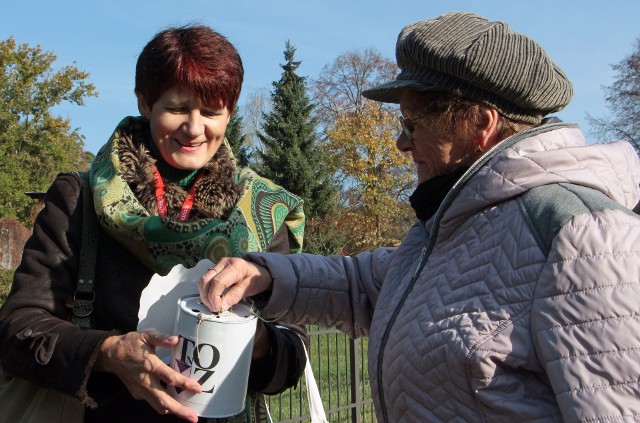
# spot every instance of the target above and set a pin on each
(214, 349)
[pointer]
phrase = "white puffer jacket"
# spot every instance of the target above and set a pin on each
(484, 314)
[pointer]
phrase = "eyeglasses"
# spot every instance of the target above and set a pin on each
(408, 124)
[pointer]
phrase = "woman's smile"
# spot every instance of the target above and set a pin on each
(186, 132)
(190, 146)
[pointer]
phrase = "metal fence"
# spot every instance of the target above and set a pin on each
(339, 365)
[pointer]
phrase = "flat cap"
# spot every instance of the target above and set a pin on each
(481, 60)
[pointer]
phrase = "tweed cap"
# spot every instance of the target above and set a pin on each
(480, 60)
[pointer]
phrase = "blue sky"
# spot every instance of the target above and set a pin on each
(103, 38)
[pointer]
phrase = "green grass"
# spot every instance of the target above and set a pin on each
(6, 278)
(329, 356)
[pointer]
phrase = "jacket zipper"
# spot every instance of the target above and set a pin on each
(423, 260)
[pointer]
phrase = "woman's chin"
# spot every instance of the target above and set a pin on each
(189, 163)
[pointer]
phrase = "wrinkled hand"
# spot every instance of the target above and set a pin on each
(133, 359)
(231, 280)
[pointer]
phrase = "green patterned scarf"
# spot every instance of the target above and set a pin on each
(161, 243)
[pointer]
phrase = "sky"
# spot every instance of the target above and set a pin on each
(584, 37)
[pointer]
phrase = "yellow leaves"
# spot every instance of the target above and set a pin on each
(362, 142)
(361, 145)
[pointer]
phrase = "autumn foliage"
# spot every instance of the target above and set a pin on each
(377, 177)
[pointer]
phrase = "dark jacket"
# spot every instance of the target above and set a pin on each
(39, 344)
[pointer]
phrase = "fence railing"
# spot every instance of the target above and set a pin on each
(339, 365)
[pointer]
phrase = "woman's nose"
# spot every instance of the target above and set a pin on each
(194, 125)
(404, 142)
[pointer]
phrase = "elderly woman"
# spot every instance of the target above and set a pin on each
(166, 191)
(515, 296)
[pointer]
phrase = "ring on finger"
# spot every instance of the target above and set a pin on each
(211, 268)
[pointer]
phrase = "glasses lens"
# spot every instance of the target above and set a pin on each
(407, 125)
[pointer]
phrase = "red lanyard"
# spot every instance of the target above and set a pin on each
(161, 198)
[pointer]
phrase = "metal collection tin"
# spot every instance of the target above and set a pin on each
(214, 349)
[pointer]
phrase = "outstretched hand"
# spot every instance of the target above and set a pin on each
(231, 280)
(133, 359)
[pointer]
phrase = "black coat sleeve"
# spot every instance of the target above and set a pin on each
(38, 342)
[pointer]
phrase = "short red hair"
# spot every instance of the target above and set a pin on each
(195, 58)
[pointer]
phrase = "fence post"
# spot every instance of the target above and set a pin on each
(354, 361)
(5, 251)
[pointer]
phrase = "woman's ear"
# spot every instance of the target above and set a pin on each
(487, 131)
(143, 108)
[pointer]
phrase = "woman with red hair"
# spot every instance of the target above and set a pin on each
(166, 191)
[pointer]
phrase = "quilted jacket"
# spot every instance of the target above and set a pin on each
(486, 312)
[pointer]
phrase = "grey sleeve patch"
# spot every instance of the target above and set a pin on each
(549, 207)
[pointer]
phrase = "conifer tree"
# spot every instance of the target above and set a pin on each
(237, 138)
(291, 155)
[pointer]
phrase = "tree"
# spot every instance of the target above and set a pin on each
(361, 145)
(290, 154)
(34, 144)
(339, 87)
(237, 138)
(623, 99)
(359, 136)
(258, 104)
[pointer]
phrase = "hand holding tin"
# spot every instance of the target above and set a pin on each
(132, 358)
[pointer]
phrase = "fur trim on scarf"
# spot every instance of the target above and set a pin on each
(216, 193)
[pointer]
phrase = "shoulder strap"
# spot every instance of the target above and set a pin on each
(84, 295)
(547, 208)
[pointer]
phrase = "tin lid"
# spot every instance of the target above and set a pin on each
(239, 313)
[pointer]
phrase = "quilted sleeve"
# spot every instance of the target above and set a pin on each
(336, 291)
(585, 318)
